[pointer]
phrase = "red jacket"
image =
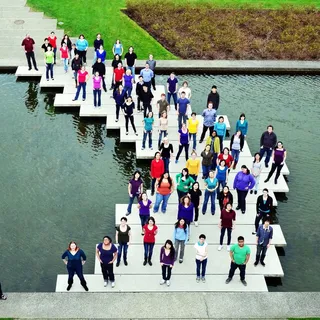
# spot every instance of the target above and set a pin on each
(157, 168)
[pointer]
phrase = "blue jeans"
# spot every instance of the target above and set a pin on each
(162, 133)
(220, 183)
(211, 195)
(65, 64)
(205, 171)
(174, 96)
(161, 198)
(97, 92)
(82, 85)
(182, 117)
(268, 151)
(145, 134)
(131, 199)
(128, 90)
(202, 263)
(144, 219)
(166, 164)
(49, 68)
(181, 194)
(194, 135)
(132, 70)
(122, 247)
(54, 54)
(148, 250)
(214, 161)
(235, 154)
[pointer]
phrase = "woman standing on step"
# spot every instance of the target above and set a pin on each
(114, 64)
(156, 170)
(256, 171)
(193, 165)
(225, 197)
(135, 189)
(75, 258)
(166, 150)
(185, 210)
(221, 174)
(119, 97)
(221, 129)
(117, 48)
(53, 41)
(147, 130)
(227, 157)
(164, 187)
(64, 56)
(227, 222)
(183, 141)
(163, 127)
(236, 146)
(180, 238)
(127, 109)
(68, 43)
(48, 60)
(149, 239)
(201, 257)
(279, 156)
(107, 254)
(207, 157)
(242, 125)
(123, 238)
(127, 82)
(184, 183)
(82, 47)
(82, 79)
(264, 208)
(211, 184)
(97, 86)
(195, 195)
(144, 206)
(167, 254)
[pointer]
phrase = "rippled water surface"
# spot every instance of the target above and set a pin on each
(61, 176)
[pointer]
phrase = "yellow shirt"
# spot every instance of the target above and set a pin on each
(193, 166)
(192, 125)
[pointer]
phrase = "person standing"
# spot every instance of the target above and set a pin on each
(139, 92)
(119, 97)
(183, 142)
(118, 76)
(147, 130)
(28, 44)
(193, 165)
(240, 255)
(184, 183)
(82, 79)
(167, 254)
(242, 182)
(76, 67)
(214, 97)
(172, 89)
(2, 295)
(180, 238)
(209, 118)
(146, 98)
(166, 150)
(48, 60)
(117, 48)
(82, 47)
(149, 239)
(264, 237)
(144, 206)
(201, 257)
(207, 157)
(195, 195)
(123, 238)
(152, 64)
(186, 89)
(101, 53)
(156, 170)
(46, 44)
(182, 106)
(163, 127)
(130, 60)
(163, 105)
(106, 253)
(225, 197)
(227, 222)
(242, 125)
(221, 174)
(74, 258)
(185, 210)
(268, 141)
(164, 188)
(64, 56)
(53, 41)
(114, 64)
(236, 146)
(101, 68)
(264, 208)
(127, 109)
(279, 156)
(97, 83)
(135, 189)
(211, 184)
(127, 82)
(256, 171)
(147, 75)
(227, 157)
(97, 43)
(193, 124)
(221, 129)
(67, 41)
(214, 143)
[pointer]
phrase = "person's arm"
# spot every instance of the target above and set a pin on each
(272, 156)
(115, 254)
(227, 175)
(161, 256)
(251, 181)
(245, 128)
(241, 143)
(224, 132)
(77, 78)
(129, 189)
(87, 45)
(231, 255)
(247, 258)
(98, 255)
(261, 141)
(141, 188)
(125, 61)
(218, 101)
(176, 87)
(65, 261)
(83, 256)
(117, 234)
(257, 205)
(270, 237)
(113, 51)
(235, 181)
(231, 142)
(284, 157)
(121, 50)
(237, 126)
(130, 237)
(234, 222)
(271, 204)
(60, 54)
(134, 62)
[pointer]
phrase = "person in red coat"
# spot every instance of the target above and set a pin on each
(157, 169)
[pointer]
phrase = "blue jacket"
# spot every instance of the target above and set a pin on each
(181, 234)
(119, 98)
(209, 117)
(264, 236)
(243, 127)
(221, 129)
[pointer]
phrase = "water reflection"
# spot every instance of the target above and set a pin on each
(31, 96)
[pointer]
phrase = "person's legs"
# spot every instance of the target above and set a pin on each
(150, 139)
(125, 252)
(279, 167)
(271, 172)
(47, 71)
(110, 271)
(84, 90)
(169, 273)
(99, 98)
(144, 139)
(258, 253)
(79, 272)
(166, 164)
(85, 57)
(153, 182)
(127, 123)
(233, 268)
(223, 230)
(211, 130)
(269, 153)
(257, 220)
(256, 185)
(263, 253)
(179, 121)
(117, 111)
(242, 201)
(146, 250)
(176, 246)
(28, 56)
(229, 231)
(51, 70)
(33, 58)
(95, 92)
(138, 103)
(182, 243)
(214, 161)
(179, 152)
(120, 248)
(132, 123)
(75, 76)
(205, 201)
(204, 130)
(159, 198)
(262, 152)
(221, 143)
(104, 271)
(153, 82)
(194, 136)
(204, 267)
(104, 84)
(180, 194)
(131, 199)
(169, 97)
(205, 171)
(198, 263)
(213, 202)
(164, 269)
(165, 199)
(175, 99)
(65, 64)
(242, 268)
(78, 91)
(151, 245)
(186, 149)
(196, 213)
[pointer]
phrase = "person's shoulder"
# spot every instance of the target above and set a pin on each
(233, 247)
(99, 246)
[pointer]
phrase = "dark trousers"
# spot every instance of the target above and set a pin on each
(153, 82)
(204, 131)
(275, 166)
(182, 118)
(145, 135)
(1, 293)
(223, 230)
(146, 109)
(214, 162)
(166, 164)
(175, 98)
(148, 250)
(260, 216)
(97, 93)
(83, 56)
(82, 85)
(181, 194)
(196, 213)
(127, 118)
(186, 149)
(166, 272)
(107, 271)
(153, 182)
(123, 247)
(138, 103)
(242, 194)
(75, 270)
(268, 151)
(233, 268)
(118, 106)
(261, 253)
(200, 264)
(194, 177)
(49, 69)
(54, 55)
(104, 84)
(221, 143)
(143, 219)
(30, 56)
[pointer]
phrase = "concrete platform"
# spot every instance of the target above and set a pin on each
(22, 71)
(88, 110)
(218, 262)
(20, 14)
(42, 33)
(179, 283)
(28, 25)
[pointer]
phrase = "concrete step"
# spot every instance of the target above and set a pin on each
(18, 15)
(34, 33)
(28, 25)
(21, 9)
(179, 283)
(218, 262)
(12, 3)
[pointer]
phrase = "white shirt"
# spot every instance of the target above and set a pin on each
(201, 251)
(187, 91)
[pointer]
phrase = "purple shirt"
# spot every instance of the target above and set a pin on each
(106, 256)
(128, 81)
(184, 137)
(144, 210)
(243, 181)
(183, 103)
(135, 186)
(96, 82)
(279, 155)
(172, 84)
(185, 213)
(168, 260)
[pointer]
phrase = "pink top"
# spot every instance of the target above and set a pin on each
(82, 76)
(64, 53)
(96, 82)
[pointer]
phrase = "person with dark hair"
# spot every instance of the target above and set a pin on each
(256, 171)
(64, 56)
(201, 257)
(76, 65)
(242, 125)
(28, 44)
(149, 239)
(166, 150)
(97, 43)
(236, 146)
(180, 238)
(147, 75)
(2, 295)
(82, 79)
(130, 59)
(264, 237)
(135, 189)
(82, 47)
(97, 84)
(152, 64)
(214, 97)
(156, 170)
(163, 127)
(193, 165)
(227, 222)
(193, 124)
(243, 181)
(183, 142)
(172, 89)
(102, 54)
(49, 62)
(195, 195)
(139, 92)
(147, 130)
(268, 141)
(127, 109)
(118, 76)
(227, 157)
(184, 183)
(46, 45)
(106, 253)
(211, 184)
(146, 98)
(164, 187)
(119, 97)
(279, 156)
(182, 106)
(214, 143)
(101, 68)
(221, 130)
(167, 254)
(67, 41)
(221, 174)
(206, 163)
(144, 206)
(117, 48)
(264, 208)
(225, 197)
(114, 64)
(209, 118)
(123, 238)
(185, 210)
(240, 255)
(163, 105)
(53, 41)
(74, 258)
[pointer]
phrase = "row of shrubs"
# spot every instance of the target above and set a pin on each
(204, 32)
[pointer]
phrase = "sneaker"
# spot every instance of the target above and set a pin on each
(127, 133)
(150, 263)
(151, 148)
(228, 280)
(176, 161)
(203, 213)
(256, 263)
(200, 141)
(237, 208)
(253, 232)
(29, 69)
(196, 223)
(3, 297)
(180, 260)
(251, 191)
(265, 181)
(168, 283)
(219, 248)
(275, 181)
(47, 79)
(105, 283)
(262, 263)
(198, 280)
(117, 120)
(203, 279)
(163, 212)
(213, 213)
(244, 282)
(83, 99)
(36, 69)
(142, 148)
(145, 262)
(243, 212)
(128, 213)
(117, 264)
(113, 284)
(136, 133)
(266, 165)
(52, 79)
(162, 282)
(228, 248)
(255, 191)
(125, 263)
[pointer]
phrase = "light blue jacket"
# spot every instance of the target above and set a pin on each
(82, 45)
(221, 129)
(243, 127)
(181, 234)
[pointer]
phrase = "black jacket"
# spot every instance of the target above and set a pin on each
(139, 89)
(241, 142)
(76, 64)
(222, 196)
(264, 206)
(215, 99)
(68, 42)
(268, 140)
(97, 43)
(115, 62)
(99, 67)
(146, 97)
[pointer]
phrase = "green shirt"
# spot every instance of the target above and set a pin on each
(240, 253)
(49, 56)
(184, 185)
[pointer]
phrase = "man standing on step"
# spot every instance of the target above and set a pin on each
(240, 255)
(130, 61)
(152, 64)
(28, 44)
(264, 236)
(147, 75)
(268, 141)
(214, 97)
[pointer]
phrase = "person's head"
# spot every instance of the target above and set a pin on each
(99, 60)
(225, 189)
(211, 174)
(164, 114)
(172, 75)
(76, 56)
(52, 34)
(228, 206)
(64, 45)
(214, 89)
(157, 155)
(226, 151)
(117, 57)
(185, 200)
(184, 126)
(128, 72)
(193, 115)
(270, 128)
(150, 57)
(238, 133)
(150, 114)
(183, 94)
(241, 241)
(147, 66)
(145, 88)
(181, 222)
(96, 73)
(266, 222)
(256, 157)
(214, 133)
(118, 41)
(166, 175)
(120, 88)
(210, 105)
(165, 140)
(83, 68)
(119, 65)
(140, 78)
(221, 119)
(222, 163)
(151, 221)
(143, 196)
(27, 35)
(185, 84)
(245, 169)
(185, 172)
(98, 36)
(49, 48)
(81, 37)
(137, 175)
(131, 49)
(101, 47)
(123, 221)
(265, 192)
(280, 145)
(163, 96)
(193, 154)
(129, 100)
(207, 147)
(202, 238)
(72, 246)
(46, 41)
(107, 240)
(242, 116)
(66, 37)
(169, 246)
(195, 186)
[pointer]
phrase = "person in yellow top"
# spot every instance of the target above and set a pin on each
(193, 124)
(193, 165)
(214, 143)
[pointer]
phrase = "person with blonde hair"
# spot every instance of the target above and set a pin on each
(193, 165)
